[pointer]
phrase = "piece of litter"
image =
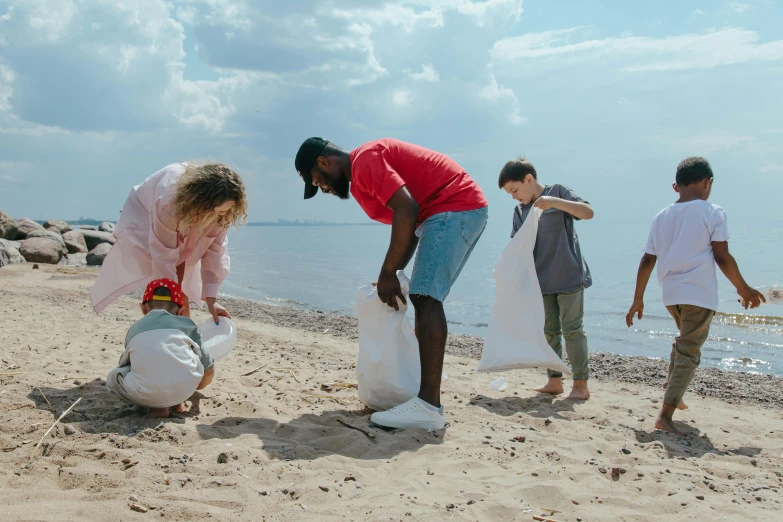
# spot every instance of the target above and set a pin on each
(499, 384)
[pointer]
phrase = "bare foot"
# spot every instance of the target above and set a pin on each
(682, 406)
(665, 422)
(579, 391)
(158, 413)
(179, 408)
(667, 425)
(554, 386)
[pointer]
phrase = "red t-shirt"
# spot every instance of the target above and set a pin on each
(437, 183)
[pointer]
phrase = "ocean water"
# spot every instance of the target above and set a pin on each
(321, 268)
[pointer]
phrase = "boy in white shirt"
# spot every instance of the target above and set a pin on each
(164, 361)
(687, 239)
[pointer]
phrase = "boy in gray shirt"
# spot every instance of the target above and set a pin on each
(164, 361)
(562, 272)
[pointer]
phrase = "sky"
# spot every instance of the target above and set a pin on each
(604, 96)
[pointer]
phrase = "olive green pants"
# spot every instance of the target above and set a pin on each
(565, 318)
(694, 325)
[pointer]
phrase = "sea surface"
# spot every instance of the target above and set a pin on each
(321, 267)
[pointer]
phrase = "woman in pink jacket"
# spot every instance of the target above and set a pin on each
(174, 226)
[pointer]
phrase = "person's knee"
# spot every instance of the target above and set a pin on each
(425, 304)
(574, 333)
(553, 334)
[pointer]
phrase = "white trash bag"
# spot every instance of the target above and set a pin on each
(388, 368)
(515, 336)
(218, 339)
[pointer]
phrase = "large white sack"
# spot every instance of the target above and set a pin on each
(388, 368)
(515, 336)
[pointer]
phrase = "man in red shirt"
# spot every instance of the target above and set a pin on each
(430, 201)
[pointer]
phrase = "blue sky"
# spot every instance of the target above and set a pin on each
(607, 97)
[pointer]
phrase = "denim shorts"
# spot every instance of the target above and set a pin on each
(445, 243)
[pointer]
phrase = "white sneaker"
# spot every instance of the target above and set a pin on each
(413, 414)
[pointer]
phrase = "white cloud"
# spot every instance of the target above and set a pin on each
(133, 49)
(697, 13)
(772, 167)
(6, 86)
(427, 74)
(402, 98)
(408, 14)
(483, 11)
(498, 94)
(738, 7)
(691, 51)
(50, 19)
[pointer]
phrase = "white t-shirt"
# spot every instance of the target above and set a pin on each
(681, 237)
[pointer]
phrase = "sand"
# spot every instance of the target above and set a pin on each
(268, 445)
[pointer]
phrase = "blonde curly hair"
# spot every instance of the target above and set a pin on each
(204, 187)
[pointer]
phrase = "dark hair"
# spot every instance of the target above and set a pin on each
(692, 170)
(170, 306)
(516, 170)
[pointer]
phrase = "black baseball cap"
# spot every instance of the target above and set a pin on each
(305, 160)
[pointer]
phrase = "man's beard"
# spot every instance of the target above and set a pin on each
(341, 188)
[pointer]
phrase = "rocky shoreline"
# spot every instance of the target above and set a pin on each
(732, 387)
(53, 242)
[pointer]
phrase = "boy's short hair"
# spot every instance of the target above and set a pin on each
(516, 170)
(169, 306)
(692, 170)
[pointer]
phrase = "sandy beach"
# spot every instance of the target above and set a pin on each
(268, 440)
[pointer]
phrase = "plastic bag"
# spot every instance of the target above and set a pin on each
(515, 336)
(388, 368)
(773, 294)
(218, 339)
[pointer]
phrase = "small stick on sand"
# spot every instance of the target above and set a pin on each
(543, 519)
(343, 385)
(357, 428)
(11, 373)
(294, 376)
(251, 372)
(47, 400)
(66, 412)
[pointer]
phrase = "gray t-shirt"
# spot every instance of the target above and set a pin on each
(559, 263)
(162, 320)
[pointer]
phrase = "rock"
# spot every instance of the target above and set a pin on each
(699, 497)
(323, 488)
(75, 242)
(133, 498)
(106, 227)
(9, 253)
(25, 226)
(35, 266)
(602, 470)
(57, 224)
(138, 507)
(73, 260)
(69, 430)
(8, 228)
(51, 234)
(94, 238)
(98, 254)
(42, 250)
(626, 451)
(223, 458)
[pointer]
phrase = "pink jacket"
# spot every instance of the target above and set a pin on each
(150, 246)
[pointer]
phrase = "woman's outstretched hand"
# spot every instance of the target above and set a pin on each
(216, 310)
